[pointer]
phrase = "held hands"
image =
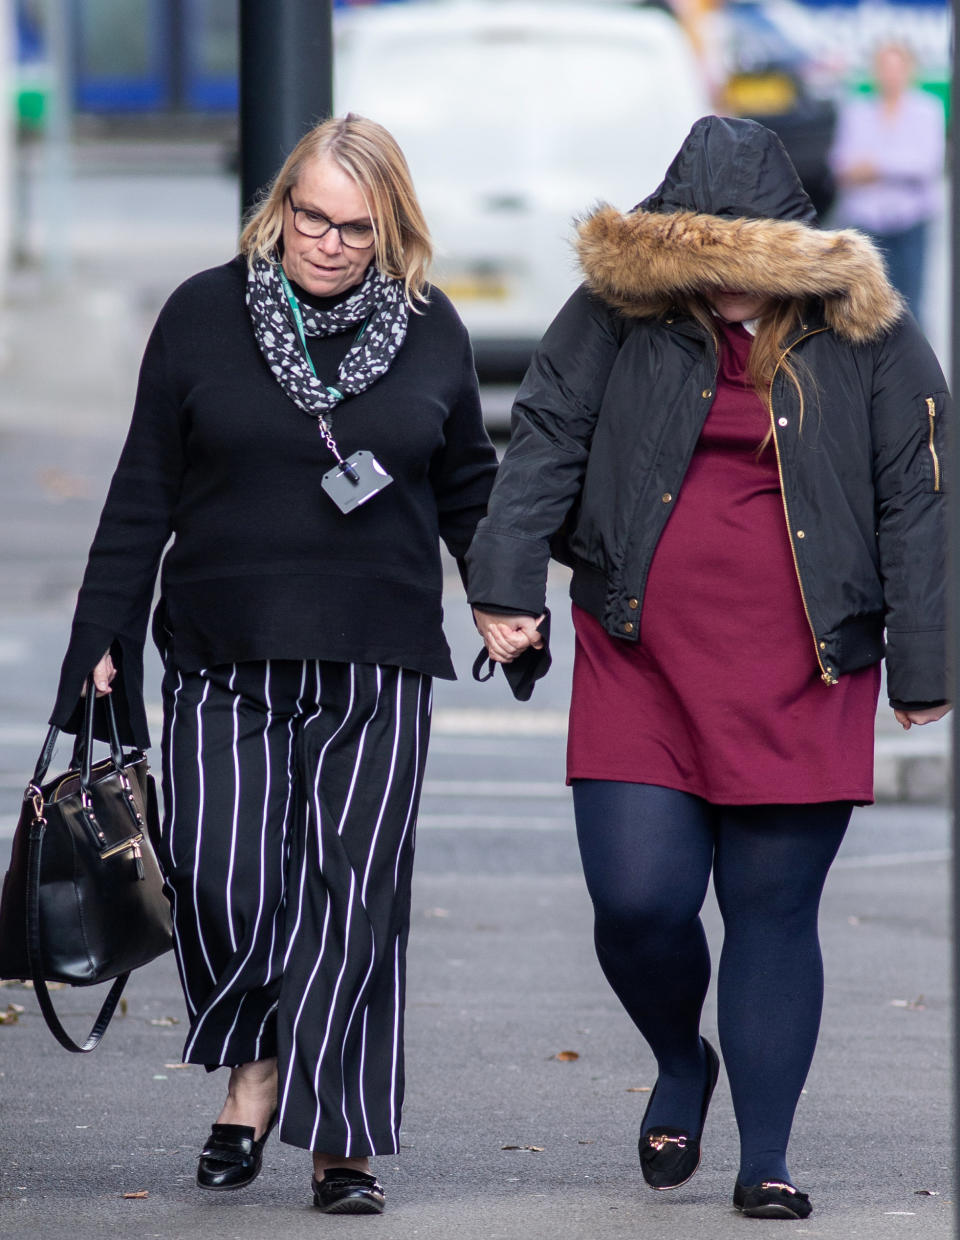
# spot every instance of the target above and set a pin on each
(103, 674)
(505, 637)
(906, 718)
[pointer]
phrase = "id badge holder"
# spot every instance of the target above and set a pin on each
(352, 482)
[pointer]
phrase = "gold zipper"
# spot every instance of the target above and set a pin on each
(826, 676)
(931, 415)
(133, 842)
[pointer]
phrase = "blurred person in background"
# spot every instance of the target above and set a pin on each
(738, 433)
(888, 161)
(307, 426)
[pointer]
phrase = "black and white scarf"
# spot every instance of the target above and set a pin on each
(378, 298)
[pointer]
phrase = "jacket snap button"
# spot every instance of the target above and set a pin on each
(706, 393)
(628, 627)
(666, 497)
(781, 421)
(823, 645)
(633, 603)
(800, 534)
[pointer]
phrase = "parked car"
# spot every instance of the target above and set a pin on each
(514, 119)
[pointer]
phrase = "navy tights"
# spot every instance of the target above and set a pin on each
(647, 855)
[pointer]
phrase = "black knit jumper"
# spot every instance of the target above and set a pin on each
(262, 563)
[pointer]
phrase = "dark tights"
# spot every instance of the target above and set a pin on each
(647, 855)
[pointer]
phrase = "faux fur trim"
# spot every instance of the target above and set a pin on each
(635, 262)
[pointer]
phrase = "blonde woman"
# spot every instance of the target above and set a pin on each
(307, 426)
(742, 432)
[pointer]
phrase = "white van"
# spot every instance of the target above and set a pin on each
(515, 117)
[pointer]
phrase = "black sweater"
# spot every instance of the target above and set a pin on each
(262, 563)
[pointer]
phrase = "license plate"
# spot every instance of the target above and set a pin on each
(475, 288)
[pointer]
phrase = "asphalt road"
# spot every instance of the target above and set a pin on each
(502, 971)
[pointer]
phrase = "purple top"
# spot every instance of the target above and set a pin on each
(907, 148)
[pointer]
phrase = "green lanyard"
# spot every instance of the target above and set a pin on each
(298, 320)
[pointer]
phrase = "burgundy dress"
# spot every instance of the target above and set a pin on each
(722, 695)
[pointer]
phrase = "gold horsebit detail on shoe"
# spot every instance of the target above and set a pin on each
(786, 1188)
(658, 1140)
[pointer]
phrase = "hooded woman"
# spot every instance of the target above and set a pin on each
(733, 433)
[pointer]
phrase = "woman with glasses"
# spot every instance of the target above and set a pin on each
(307, 427)
(740, 430)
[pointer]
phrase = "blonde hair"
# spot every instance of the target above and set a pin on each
(370, 155)
(775, 325)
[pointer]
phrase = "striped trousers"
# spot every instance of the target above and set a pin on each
(290, 799)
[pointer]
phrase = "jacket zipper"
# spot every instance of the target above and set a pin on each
(826, 676)
(932, 415)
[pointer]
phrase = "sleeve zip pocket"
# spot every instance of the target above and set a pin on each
(932, 442)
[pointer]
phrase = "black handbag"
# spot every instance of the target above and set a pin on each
(83, 899)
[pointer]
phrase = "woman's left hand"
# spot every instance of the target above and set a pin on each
(906, 718)
(505, 637)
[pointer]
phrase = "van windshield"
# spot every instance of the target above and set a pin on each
(524, 107)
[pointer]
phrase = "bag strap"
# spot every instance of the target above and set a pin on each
(37, 829)
(478, 668)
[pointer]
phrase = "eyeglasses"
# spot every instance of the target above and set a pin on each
(316, 225)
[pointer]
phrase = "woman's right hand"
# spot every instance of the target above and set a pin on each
(505, 637)
(102, 674)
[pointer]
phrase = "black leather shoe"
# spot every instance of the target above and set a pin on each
(345, 1191)
(670, 1156)
(232, 1158)
(771, 1199)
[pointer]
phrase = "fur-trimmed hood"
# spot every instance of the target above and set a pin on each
(731, 213)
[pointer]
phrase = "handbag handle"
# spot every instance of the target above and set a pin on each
(37, 829)
(84, 742)
(83, 746)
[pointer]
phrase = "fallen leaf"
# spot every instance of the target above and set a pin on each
(137, 1196)
(534, 1149)
(566, 1056)
(925, 1192)
(124, 1005)
(12, 1015)
(165, 1020)
(639, 1089)
(175, 1066)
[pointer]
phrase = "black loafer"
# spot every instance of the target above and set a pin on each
(670, 1156)
(771, 1199)
(345, 1191)
(231, 1157)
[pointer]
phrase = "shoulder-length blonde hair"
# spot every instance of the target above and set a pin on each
(779, 321)
(370, 155)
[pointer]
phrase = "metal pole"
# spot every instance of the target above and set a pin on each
(286, 82)
(7, 157)
(57, 143)
(954, 235)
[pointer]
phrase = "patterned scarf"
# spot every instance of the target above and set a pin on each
(378, 298)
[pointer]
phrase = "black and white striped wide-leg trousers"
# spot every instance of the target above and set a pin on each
(290, 800)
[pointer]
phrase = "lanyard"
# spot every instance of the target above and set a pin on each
(298, 320)
(322, 424)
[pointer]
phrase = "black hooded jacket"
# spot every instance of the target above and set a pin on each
(609, 413)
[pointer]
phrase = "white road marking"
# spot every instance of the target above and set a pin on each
(502, 789)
